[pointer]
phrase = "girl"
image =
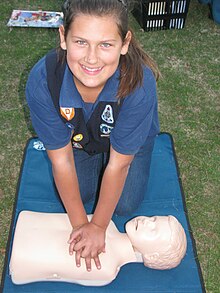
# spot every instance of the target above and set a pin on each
(93, 103)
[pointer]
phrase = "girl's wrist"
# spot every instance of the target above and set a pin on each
(103, 227)
(77, 226)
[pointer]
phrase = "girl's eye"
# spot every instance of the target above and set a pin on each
(106, 45)
(81, 43)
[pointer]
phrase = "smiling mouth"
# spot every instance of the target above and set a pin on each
(91, 70)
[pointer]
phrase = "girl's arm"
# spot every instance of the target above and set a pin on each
(92, 235)
(111, 188)
(66, 180)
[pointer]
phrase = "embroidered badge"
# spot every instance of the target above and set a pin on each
(38, 145)
(105, 129)
(77, 145)
(107, 114)
(67, 113)
(78, 137)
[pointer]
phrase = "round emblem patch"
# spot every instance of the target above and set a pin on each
(78, 137)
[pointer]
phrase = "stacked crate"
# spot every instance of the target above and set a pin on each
(157, 14)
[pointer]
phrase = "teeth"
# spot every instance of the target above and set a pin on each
(91, 69)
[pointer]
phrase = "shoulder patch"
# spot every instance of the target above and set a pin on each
(107, 114)
(67, 113)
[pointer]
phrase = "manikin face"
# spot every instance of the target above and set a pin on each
(149, 235)
(93, 47)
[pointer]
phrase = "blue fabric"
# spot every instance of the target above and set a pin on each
(42, 110)
(87, 110)
(215, 8)
(138, 117)
(164, 196)
(90, 170)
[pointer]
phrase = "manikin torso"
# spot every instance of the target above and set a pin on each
(42, 253)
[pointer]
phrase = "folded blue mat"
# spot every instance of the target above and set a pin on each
(164, 196)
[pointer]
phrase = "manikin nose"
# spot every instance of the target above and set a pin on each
(145, 221)
(149, 222)
(148, 219)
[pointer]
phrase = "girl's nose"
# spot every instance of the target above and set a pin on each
(91, 55)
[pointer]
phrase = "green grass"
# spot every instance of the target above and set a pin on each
(189, 100)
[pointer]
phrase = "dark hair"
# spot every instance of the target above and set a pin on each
(131, 64)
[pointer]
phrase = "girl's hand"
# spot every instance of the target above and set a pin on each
(88, 242)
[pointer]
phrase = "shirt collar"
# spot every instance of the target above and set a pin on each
(70, 97)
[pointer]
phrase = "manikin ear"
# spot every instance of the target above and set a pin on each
(126, 43)
(148, 259)
(62, 37)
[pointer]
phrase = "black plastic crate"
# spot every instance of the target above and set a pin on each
(161, 14)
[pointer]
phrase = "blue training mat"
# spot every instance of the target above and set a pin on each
(164, 196)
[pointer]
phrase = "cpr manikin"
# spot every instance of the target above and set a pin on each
(40, 248)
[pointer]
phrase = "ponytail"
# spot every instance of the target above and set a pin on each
(132, 63)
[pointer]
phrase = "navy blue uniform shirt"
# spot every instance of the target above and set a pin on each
(137, 119)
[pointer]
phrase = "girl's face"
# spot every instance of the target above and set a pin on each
(93, 47)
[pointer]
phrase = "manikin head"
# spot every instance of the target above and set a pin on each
(161, 240)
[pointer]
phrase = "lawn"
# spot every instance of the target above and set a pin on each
(189, 100)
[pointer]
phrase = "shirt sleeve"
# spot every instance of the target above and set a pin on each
(138, 118)
(45, 120)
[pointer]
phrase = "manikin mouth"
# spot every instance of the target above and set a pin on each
(136, 226)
